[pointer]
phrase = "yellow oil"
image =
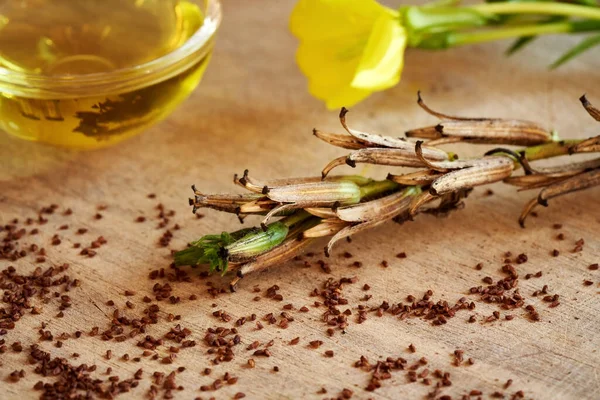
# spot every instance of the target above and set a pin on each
(74, 37)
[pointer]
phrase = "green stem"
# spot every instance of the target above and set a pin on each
(548, 150)
(376, 188)
(567, 10)
(458, 39)
(295, 218)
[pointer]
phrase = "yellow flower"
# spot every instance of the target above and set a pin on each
(348, 48)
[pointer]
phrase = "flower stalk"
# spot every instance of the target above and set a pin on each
(341, 206)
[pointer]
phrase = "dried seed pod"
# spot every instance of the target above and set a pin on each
(578, 182)
(327, 227)
(386, 214)
(282, 209)
(443, 140)
(482, 130)
(321, 212)
(317, 194)
(395, 157)
(439, 115)
(282, 253)
(248, 183)
(259, 187)
(387, 156)
(549, 175)
(526, 182)
(590, 145)
(419, 201)
(593, 111)
(445, 166)
(423, 177)
(373, 140)
(486, 170)
(338, 140)
(260, 206)
(336, 162)
(491, 131)
(221, 202)
(375, 209)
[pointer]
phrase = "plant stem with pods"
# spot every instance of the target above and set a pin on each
(344, 205)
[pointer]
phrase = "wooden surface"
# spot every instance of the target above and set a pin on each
(252, 111)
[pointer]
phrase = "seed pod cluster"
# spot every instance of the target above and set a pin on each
(342, 206)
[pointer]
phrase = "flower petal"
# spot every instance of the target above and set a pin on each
(330, 63)
(325, 19)
(383, 57)
(333, 37)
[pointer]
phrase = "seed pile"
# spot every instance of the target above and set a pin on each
(21, 290)
(331, 293)
(75, 382)
(131, 321)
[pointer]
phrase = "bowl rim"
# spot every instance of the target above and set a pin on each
(124, 79)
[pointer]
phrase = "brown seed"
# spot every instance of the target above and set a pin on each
(521, 258)
(329, 353)
(412, 348)
(555, 253)
(401, 255)
(593, 267)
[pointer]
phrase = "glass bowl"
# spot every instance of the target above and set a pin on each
(105, 103)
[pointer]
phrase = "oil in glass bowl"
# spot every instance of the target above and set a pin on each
(110, 44)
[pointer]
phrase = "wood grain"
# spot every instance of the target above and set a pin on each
(252, 111)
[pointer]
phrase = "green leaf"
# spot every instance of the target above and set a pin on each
(218, 250)
(209, 249)
(582, 47)
(519, 44)
(523, 41)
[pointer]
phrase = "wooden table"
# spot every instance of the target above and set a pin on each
(253, 111)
